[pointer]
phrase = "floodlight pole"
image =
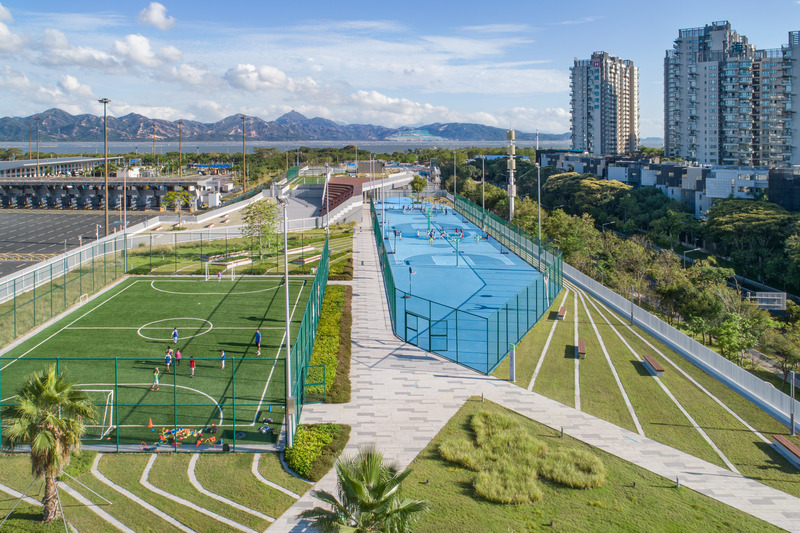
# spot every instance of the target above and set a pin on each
(37, 145)
(105, 102)
(483, 192)
(180, 148)
(244, 164)
(539, 208)
(290, 407)
(455, 177)
(327, 201)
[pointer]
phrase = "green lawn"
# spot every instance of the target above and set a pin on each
(133, 323)
(653, 505)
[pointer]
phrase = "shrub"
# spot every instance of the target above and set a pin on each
(326, 343)
(340, 389)
(573, 468)
(316, 448)
(499, 487)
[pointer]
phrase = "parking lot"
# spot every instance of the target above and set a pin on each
(30, 236)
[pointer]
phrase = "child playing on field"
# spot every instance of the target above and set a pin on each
(155, 379)
(177, 358)
(191, 366)
(222, 358)
(175, 335)
(168, 358)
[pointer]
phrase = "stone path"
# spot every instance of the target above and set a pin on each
(403, 396)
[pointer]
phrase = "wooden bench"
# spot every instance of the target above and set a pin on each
(787, 448)
(562, 312)
(581, 349)
(209, 226)
(306, 260)
(300, 250)
(652, 366)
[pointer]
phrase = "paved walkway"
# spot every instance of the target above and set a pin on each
(403, 396)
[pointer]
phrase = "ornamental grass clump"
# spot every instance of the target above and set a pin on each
(510, 461)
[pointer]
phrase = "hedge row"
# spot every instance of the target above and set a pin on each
(340, 389)
(326, 343)
(316, 448)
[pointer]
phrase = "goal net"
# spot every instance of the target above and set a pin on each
(103, 401)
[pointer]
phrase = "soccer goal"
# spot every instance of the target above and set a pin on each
(229, 266)
(83, 299)
(103, 400)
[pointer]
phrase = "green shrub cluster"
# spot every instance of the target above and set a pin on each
(316, 448)
(326, 343)
(340, 389)
(509, 461)
(342, 270)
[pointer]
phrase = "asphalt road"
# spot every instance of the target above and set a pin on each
(30, 236)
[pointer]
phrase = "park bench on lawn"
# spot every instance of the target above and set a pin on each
(652, 366)
(562, 312)
(306, 260)
(581, 349)
(787, 448)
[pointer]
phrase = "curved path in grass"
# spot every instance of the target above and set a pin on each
(403, 396)
(136, 499)
(186, 503)
(196, 484)
(265, 481)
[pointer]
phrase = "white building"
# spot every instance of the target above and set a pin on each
(605, 104)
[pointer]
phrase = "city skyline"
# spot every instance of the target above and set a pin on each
(357, 63)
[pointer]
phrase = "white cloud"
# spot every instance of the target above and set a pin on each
(58, 51)
(170, 54)
(551, 120)
(498, 28)
(137, 50)
(150, 111)
(9, 41)
(156, 15)
(5, 14)
(72, 87)
(265, 78)
(191, 75)
(14, 80)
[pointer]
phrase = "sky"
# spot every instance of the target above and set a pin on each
(355, 62)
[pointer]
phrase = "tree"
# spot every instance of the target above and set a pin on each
(785, 347)
(418, 183)
(49, 416)
(177, 199)
(369, 497)
(260, 219)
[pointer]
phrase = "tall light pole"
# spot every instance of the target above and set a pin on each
(290, 407)
(327, 200)
(105, 102)
(455, 177)
(180, 148)
(37, 145)
(244, 164)
(483, 192)
(539, 207)
(30, 136)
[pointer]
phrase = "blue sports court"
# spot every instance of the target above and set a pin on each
(453, 288)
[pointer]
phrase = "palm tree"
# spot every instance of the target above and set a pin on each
(369, 497)
(49, 416)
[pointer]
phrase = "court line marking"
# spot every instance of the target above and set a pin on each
(169, 328)
(219, 408)
(210, 327)
(152, 285)
(68, 325)
(275, 360)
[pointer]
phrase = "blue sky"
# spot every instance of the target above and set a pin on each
(387, 63)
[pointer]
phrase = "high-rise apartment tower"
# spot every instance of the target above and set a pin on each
(727, 102)
(605, 104)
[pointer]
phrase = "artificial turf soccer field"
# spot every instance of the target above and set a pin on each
(110, 346)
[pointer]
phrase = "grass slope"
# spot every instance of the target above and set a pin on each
(654, 505)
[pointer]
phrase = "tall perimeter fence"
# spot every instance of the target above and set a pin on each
(758, 391)
(34, 296)
(457, 334)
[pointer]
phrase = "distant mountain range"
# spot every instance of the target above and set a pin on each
(58, 125)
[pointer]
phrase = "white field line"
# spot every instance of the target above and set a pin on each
(94, 508)
(546, 345)
(275, 360)
(196, 484)
(186, 503)
(168, 328)
(68, 325)
(577, 360)
(687, 376)
(136, 499)
(671, 396)
(265, 481)
(613, 370)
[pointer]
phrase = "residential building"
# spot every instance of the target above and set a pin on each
(605, 104)
(727, 102)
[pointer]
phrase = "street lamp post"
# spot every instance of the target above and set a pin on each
(483, 192)
(455, 177)
(539, 208)
(180, 148)
(244, 164)
(37, 145)
(290, 407)
(683, 256)
(327, 201)
(105, 102)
